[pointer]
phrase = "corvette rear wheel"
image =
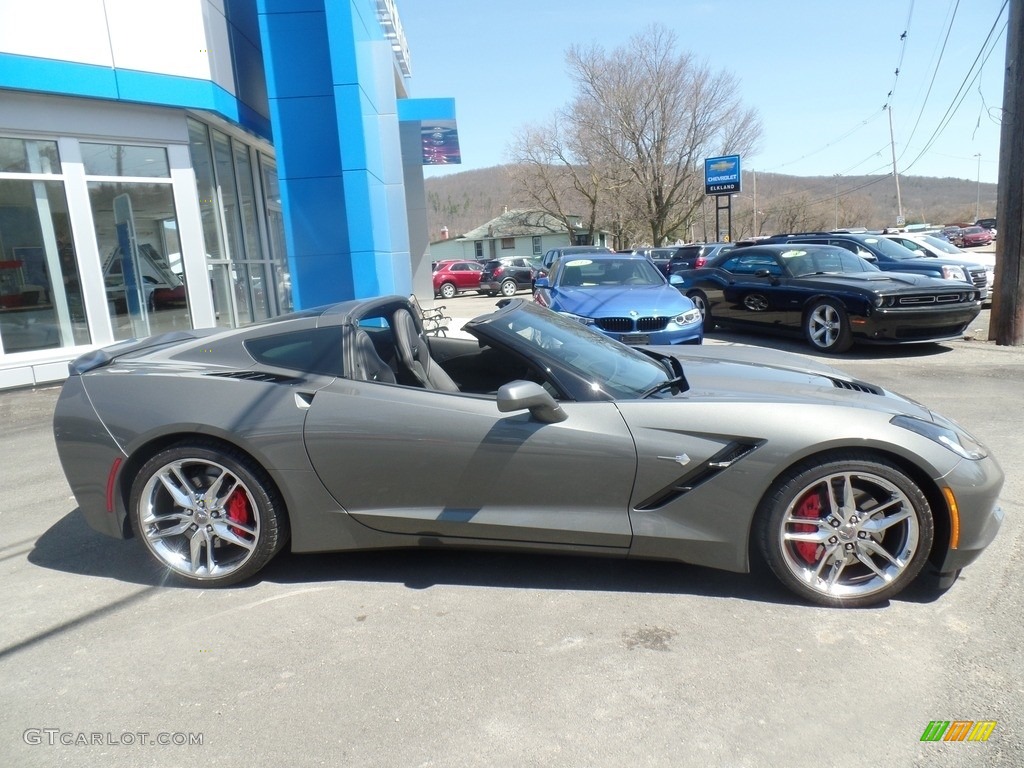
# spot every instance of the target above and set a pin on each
(827, 327)
(849, 532)
(209, 515)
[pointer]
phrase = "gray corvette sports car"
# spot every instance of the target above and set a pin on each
(348, 428)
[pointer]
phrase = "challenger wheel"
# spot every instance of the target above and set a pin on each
(849, 532)
(827, 327)
(209, 515)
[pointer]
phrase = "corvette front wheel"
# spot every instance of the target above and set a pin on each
(849, 532)
(211, 516)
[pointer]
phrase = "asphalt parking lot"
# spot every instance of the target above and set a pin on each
(473, 659)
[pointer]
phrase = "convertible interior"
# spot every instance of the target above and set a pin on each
(395, 350)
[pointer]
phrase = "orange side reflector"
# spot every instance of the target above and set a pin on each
(954, 518)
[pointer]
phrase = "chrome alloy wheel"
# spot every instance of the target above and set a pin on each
(849, 534)
(199, 518)
(824, 326)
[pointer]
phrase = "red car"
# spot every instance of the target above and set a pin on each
(973, 236)
(454, 277)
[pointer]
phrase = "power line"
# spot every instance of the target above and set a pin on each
(969, 79)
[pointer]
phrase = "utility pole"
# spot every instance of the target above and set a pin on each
(837, 199)
(895, 173)
(977, 205)
(1006, 326)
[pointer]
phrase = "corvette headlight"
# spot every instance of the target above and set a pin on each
(948, 435)
(952, 272)
(688, 317)
(578, 318)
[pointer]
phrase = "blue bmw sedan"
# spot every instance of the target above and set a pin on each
(622, 295)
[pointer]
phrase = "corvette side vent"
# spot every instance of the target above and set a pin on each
(272, 378)
(721, 461)
(856, 386)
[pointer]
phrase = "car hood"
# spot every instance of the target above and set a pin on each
(766, 375)
(908, 282)
(621, 301)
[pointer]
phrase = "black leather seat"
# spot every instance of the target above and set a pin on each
(369, 364)
(414, 354)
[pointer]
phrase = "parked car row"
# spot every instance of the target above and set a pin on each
(505, 276)
(830, 295)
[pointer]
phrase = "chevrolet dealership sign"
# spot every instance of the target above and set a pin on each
(722, 175)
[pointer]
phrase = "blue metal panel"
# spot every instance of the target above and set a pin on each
(347, 35)
(319, 224)
(296, 54)
(289, 6)
(67, 78)
(366, 203)
(348, 123)
(310, 148)
(32, 74)
(426, 109)
(339, 157)
(321, 279)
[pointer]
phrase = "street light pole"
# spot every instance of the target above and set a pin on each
(977, 205)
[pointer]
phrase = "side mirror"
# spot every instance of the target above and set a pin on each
(675, 279)
(528, 395)
(541, 282)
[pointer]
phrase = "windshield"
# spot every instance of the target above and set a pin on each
(608, 272)
(941, 245)
(545, 336)
(890, 248)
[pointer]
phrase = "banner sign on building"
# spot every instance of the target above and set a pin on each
(722, 175)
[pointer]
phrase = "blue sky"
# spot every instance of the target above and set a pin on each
(817, 71)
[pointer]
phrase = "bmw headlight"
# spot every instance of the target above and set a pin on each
(953, 272)
(947, 434)
(688, 317)
(578, 318)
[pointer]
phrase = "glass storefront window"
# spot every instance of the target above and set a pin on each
(40, 294)
(125, 160)
(136, 230)
(247, 285)
(275, 230)
(225, 171)
(206, 186)
(28, 156)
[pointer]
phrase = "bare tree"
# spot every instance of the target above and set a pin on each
(627, 153)
(650, 116)
(552, 170)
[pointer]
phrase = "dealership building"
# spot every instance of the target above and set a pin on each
(176, 164)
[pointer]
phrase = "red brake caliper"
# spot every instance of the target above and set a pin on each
(239, 511)
(809, 507)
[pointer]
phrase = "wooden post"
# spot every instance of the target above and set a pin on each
(1006, 326)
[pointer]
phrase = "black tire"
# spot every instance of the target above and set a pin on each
(224, 523)
(509, 288)
(701, 302)
(825, 560)
(827, 327)
(448, 290)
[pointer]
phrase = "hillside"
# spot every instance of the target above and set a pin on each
(462, 201)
